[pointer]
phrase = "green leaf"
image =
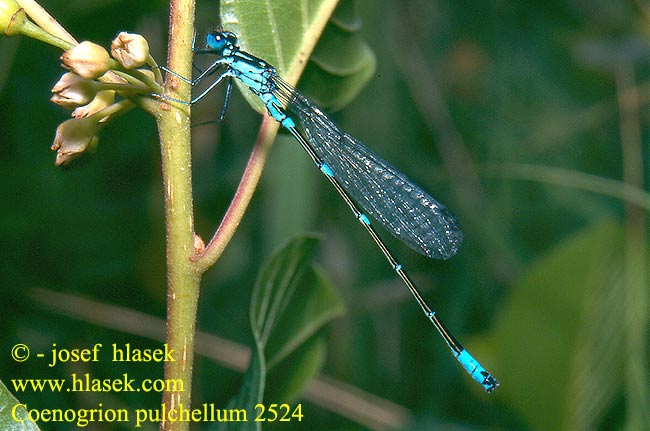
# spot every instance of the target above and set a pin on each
(250, 394)
(291, 301)
(285, 33)
(342, 60)
(287, 382)
(559, 339)
(7, 421)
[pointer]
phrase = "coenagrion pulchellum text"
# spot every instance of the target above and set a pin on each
(356, 173)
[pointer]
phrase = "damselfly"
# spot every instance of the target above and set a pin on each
(362, 178)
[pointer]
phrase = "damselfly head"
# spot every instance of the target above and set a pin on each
(221, 41)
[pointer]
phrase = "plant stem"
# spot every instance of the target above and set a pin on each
(45, 21)
(243, 195)
(182, 277)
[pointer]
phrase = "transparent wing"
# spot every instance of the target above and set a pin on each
(403, 208)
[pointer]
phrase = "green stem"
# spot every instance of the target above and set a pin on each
(136, 77)
(31, 30)
(183, 279)
(45, 21)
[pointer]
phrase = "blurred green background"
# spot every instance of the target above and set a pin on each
(529, 120)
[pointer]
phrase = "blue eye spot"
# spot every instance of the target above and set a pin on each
(219, 41)
(215, 40)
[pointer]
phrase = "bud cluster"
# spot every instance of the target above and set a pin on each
(94, 79)
(90, 86)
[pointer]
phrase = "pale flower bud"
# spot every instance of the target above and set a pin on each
(8, 14)
(73, 137)
(72, 90)
(14, 21)
(102, 100)
(131, 50)
(87, 60)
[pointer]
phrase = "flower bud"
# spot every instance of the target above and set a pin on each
(87, 60)
(72, 91)
(102, 100)
(131, 50)
(73, 137)
(8, 14)
(14, 21)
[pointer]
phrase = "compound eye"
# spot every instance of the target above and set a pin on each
(216, 41)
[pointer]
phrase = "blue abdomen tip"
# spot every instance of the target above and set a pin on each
(477, 371)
